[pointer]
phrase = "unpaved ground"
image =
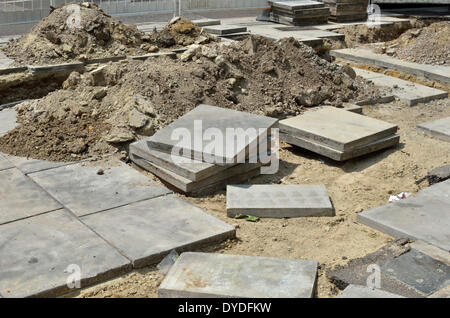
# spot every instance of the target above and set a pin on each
(353, 186)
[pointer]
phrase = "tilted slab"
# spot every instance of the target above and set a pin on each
(357, 291)
(221, 275)
(216, 181)
(80, 189)
(438, 128)
(39, 255)
(423, 217)
(408, 92)
(224, 29)
(278, 201)
(437, 73)
(331, 153)
(147, 231)
(20, 197)
(185, 136)
(336, 128)
(8, 119)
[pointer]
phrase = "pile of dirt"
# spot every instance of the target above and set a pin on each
(99, 111)
(429, 45)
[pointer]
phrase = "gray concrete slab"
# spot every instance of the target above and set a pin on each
(8, 119)
(377, 145)
(407, 92)
(295, 5)
(353, 108)
(5, 163)
(438, 128)
(20, 197)
(206, 22)
(431, 251)
(357, 291)
(188, 186)
(278, 201)
(29, 165)
(224, 29)
(442, 293)
(420, 271)
(421, 217)
(80, 189)
(437, 73)
(36, 253)
(147, 231)
(336, 128)
(185, 135)
(221, 275)
(149, 55)
(56, 67)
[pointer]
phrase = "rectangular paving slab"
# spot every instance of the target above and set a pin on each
(437, 128)
(39, 254)
(437, 73)
(221, 275)
(296, 5)
(7, 120)
(407, 92)
(224, 29)
(336, 128)
(147, 231)
(278, 201)
(377, 145)
(20, 197)
(5, 163)
(420, 271)
(234, 132)
(423, 217)
(80, 189)
(29, 165)
(357, 291)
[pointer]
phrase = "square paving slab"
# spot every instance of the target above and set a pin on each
(29, 165)
(221, 275)
(35, 255)
(20, 197)
(80, 189)
(438, 128)
(420, 271)
(5, 163)
(7, 120)
(357, 291)
(186, 136)
(147, 231)
(423, 217)
(336, 128)
(278, 201)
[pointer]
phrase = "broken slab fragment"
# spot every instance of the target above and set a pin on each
(39, 255)
(357, 291)
(438, 128)
(147, 231)
(221, 275)
(278, 201)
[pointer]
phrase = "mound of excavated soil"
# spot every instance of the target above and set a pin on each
(429, 45)
(120, 102)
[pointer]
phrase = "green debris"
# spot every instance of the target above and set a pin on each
(247, 217)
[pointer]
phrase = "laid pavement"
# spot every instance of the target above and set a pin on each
(438, 128)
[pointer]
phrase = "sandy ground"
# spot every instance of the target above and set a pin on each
(353, 186)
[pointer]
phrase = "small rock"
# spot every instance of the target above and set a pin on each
(136, 119)
(220, 60)
(143, 105)
(349, 71)
(189, 53)
(118, 135)
(100, 172)
(100, 93)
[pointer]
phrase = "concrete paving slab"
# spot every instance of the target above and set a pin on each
(421, 217)
(352, 108)
(438, 128)
(20, 197)
(188, 186)
(420, 271)
(439, 190)
(357, 291)
(296, 5)
(331, 153)
(147, 231)
(278, 201)
(149, 55)
(80, 189)
(5, 163)
(431, 251)
(188, 132)
(29, 165)
(206, 22)
(437, 73)
(56, 68)
(224, 29)
(221, 275)
(408, 92)
(8, 122)
(36, 255)
(336, 128)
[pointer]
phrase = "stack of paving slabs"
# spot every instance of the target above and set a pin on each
(347, 10)
(337, 133)
(183, 157)
(304, 12)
